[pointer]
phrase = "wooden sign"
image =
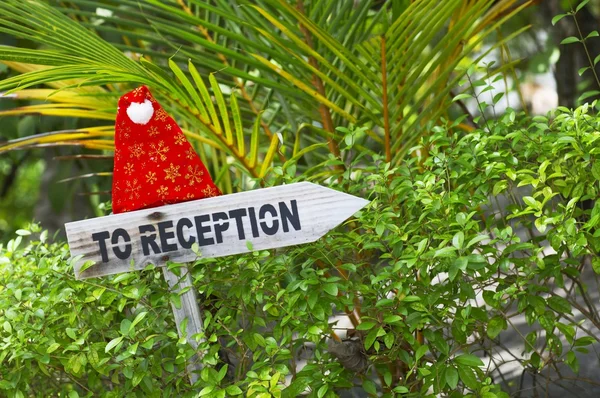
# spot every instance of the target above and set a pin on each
(262, 219)
(267, 218)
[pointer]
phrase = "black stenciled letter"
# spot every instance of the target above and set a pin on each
(101, 237)
(184, 222)
(292, 216)
(253, 223)
(238, 214)
(272, 230)
(202, 241)
(221, 227)
(121, 233)
(148, 241)
(166, 235)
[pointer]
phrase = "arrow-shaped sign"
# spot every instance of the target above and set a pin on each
(267, 218)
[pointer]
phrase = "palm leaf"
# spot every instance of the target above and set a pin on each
(271, 68)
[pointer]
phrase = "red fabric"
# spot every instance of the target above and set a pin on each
(154, 163)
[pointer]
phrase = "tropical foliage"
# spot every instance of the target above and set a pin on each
(251, 82)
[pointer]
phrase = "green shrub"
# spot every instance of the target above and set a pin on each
(434, 267)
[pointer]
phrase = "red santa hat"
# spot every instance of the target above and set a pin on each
(154, 163)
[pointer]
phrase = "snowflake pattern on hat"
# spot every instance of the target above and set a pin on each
(154, 163)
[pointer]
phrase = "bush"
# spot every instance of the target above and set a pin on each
(430, 274)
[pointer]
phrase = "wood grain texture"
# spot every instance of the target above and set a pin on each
(319, 209)
(189, 310)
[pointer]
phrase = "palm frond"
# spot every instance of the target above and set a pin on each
(245, 79)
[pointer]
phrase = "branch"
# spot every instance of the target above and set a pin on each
(318, 83)
(386, 116)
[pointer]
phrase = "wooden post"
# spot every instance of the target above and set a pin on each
(190, 310)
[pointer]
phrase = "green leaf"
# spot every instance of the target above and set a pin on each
(421, 245)
(138, 319)
(477, 239)
(540, 225)
(581, 5)
(458, 240)
(445, 252)
(113, 343)
(531, 202)
(23, 232)
(596, 265)
(559, 304)
(538, 303)
(389, 340)
(391, 318)
(322, 391)
(206, 390)
(222, 372)
(453, 272)
(547, 320)
(468, 360)
(269, 155)
(137, 378)
(495, 326)
(422, 350)
(558, 18)
(581, 71)
(451, 377)
(125, 326)
(565, 139)
(7, 327)
(52, 347)
(259, 339)
(461, 96)
(189, 87)
(499, 187)
(572, 362)
(369, 387)
(366, 325)
(497, 97)
(596, 169)
(6, 385)
(569, 40)
(233, 390)
(387, 378)
(467, 376)
(222, 107)
(205, 97)
(237, 122)
(331, 288)
(370, 339)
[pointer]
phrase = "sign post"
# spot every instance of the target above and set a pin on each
(266, 218)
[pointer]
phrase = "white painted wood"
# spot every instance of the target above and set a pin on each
(320, 210)
(190, 310)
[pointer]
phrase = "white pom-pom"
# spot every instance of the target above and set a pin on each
(140, 113)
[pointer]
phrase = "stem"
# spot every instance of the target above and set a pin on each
(587, 53)
(478, 103)
(319, 86)
(386, 117)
